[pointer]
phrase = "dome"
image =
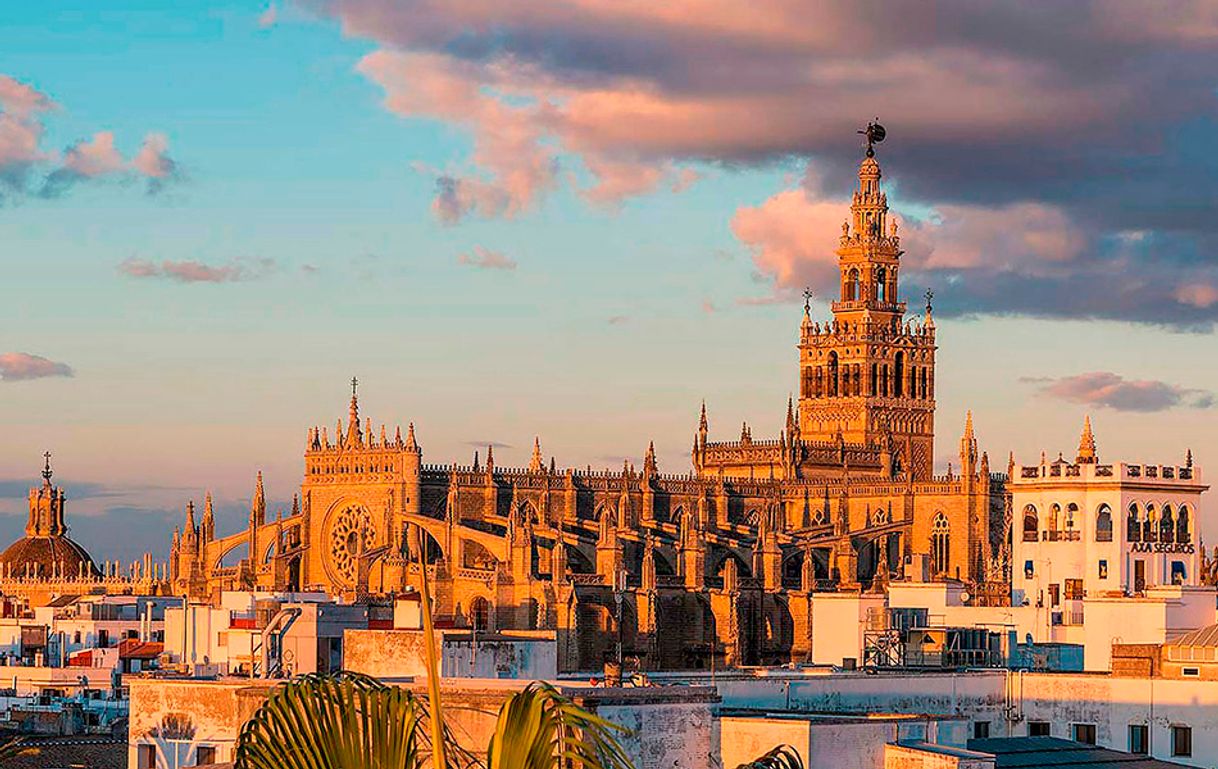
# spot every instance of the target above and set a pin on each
(44, 556)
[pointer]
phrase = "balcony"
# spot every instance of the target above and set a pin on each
(1064, 535)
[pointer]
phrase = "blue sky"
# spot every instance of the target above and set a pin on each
(312, 201)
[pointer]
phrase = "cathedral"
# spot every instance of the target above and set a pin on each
(712, 565)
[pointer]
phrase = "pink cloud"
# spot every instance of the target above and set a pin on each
(1108, 390)
(20, 366)
(269, 16)
(95, 157)
(486, 259)
(188, 271)
(1198, 294)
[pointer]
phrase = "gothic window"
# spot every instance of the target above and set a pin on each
(1167, 526)
(832, 384)
(480, 614)
(884, 382)
(913, 382)
(852, 286)
(922, 388)
(1031, 525)
(881, 285)
(820, 381)
(939, 543)
(858, 386)
(1183, 536)
(1103, 524)
(874, 370)
(1149, 532)
(1133, 525)
(898, 375)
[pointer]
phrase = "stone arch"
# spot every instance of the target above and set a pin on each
(1031, 524)
(577, 561)
(724, 555)
(898, 375)
(1133, 523)
(1184, 533)
(481, 614)
(1103, 523)
(852, 285)
(1150, 524)
(686, 632)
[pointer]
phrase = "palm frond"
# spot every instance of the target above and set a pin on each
(341, 721)
(538, 728)
(13, 748)
(781, 757)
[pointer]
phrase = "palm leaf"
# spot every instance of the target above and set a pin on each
(781, 757)
(13, 748)
(538, 728)
(342, 721)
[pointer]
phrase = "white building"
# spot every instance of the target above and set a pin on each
(1087, 529)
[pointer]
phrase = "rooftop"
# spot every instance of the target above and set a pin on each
(1061, 754)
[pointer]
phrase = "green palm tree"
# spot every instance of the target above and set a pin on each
(781, 757)
(352, 721)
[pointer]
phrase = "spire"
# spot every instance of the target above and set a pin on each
(353, 430)
(1086, 444)
(649, 461)
(536, 464)
(209, 518)
(490, 458)
(411, 443)
(258, 504)
(968, 445)
(702, 423)
(190, 517)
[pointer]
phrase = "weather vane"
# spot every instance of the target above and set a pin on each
(929, 295)
(875, 133)
(807, 299)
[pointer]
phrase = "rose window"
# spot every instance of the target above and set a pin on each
(351, 534)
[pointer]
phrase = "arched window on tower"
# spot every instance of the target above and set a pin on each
(832, 375)
(940, 543)
(1071, 516)
(858, 379)
(1133, 524)
(881, 284)
(922, 388)
(1103, 524)
(898, 375)
(818, 384)
(1167, 526)
(913, 382)
(852, 286)
(875, 367)
(1183, 535)
(884, 382)
(1031, 524)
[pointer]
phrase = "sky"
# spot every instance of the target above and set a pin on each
(578, 219)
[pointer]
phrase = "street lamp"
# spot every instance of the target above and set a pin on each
(619, 594)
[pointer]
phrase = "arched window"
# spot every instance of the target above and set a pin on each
(940, 543)
(1071, 513)
(1133, 527)
(898, 375)
(1183, 535)
(1167, 526)
(922, 386)
(881, 285)
(875, 368)
(1103, 524)
(1031, 525)
(884, 382)
(1150, 531)
(852, 286)
(819, 386)
(1054, 516)
(832, 375)
(480, 614)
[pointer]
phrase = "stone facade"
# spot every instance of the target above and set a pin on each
(715, 566)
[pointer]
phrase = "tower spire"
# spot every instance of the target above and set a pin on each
(46, 469)
(353, 429)
(535, 462)
(1086, 444)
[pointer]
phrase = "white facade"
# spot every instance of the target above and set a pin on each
(1097, 530)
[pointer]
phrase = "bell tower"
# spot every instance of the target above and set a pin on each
(868, 374)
